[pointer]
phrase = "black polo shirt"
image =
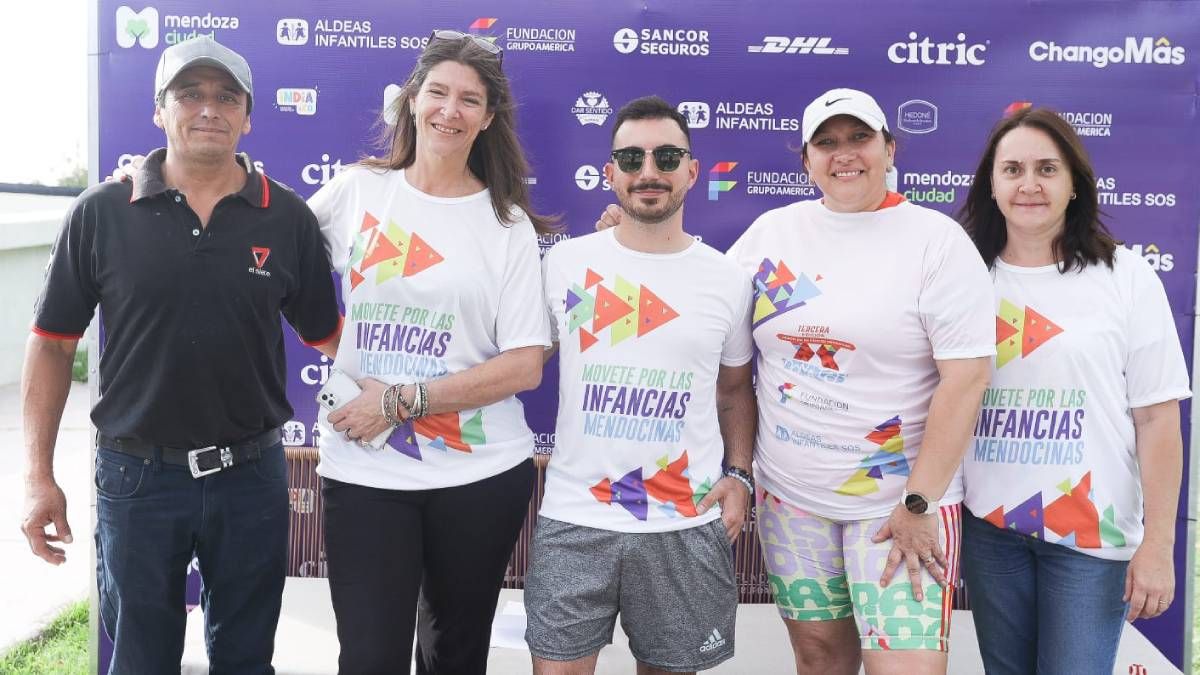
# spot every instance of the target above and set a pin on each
(193, 351)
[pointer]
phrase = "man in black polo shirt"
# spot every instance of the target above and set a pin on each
(191, 265)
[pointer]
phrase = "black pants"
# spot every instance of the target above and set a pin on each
(451, 545)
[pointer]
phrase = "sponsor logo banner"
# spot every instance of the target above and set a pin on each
(1134, 51)
(662, 41)
(819, 46)
(299, 101)
(917, 117)
(591, 108)
(923, 50)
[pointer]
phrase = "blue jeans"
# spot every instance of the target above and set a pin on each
(1041, 607)
(151, 519)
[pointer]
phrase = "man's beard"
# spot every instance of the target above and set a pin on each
(651, 215)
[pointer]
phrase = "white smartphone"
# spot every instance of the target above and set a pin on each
(339, 390)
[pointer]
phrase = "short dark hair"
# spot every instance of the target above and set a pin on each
(650, 108)
(1085, 240)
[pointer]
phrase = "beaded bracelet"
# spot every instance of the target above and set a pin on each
(740, 475)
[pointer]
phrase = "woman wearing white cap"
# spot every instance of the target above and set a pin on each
(873, 328)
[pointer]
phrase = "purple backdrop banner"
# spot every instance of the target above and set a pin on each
(1125, 75)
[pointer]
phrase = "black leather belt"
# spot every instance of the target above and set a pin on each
(201, 461)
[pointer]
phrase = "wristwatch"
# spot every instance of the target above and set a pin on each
(917, 503)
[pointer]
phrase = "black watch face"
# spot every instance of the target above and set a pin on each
(916, 504)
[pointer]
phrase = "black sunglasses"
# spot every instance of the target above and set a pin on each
(484, 44)
(666, 158)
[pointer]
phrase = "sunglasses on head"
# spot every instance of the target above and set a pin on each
(484, 44)
(666, 158)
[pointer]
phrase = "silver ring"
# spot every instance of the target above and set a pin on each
(1163, 602)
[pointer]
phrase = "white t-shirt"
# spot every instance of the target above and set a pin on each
(432, 286)
(1054, 454)
(851, 311)
(641, 337)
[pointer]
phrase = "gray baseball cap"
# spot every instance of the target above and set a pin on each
(202, 51)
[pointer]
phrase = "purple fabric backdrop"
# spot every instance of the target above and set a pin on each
(1125, 74)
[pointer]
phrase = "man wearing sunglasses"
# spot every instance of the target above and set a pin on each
(655, 425)
(191, 263)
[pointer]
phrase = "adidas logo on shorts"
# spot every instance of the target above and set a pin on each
(714, 641)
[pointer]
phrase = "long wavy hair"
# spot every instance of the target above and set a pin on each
(1084, 240)
(496, 157)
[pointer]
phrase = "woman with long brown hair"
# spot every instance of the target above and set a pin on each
(436, 245)
(1078, 440)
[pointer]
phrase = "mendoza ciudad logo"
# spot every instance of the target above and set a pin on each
(142, 27)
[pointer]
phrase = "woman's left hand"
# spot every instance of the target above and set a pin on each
(915, 543)
(1149, 581)
(362, 418)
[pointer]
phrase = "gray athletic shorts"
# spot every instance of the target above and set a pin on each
(675, 592)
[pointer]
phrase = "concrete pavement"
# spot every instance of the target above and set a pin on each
(33, 592)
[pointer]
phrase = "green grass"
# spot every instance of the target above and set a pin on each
(1196, 614)
(62, 649)
(79, 369)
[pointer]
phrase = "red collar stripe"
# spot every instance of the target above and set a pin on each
(266, 191)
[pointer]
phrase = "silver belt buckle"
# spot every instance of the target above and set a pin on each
(194, 462)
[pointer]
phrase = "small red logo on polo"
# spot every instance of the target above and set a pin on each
(260, 253)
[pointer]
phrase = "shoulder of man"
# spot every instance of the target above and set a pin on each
(114, 191)
(100, 201)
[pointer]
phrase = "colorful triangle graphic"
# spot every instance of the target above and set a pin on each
(591, 279)
(421, 256)
(653, 312)
(609, 308)
(1038, 330)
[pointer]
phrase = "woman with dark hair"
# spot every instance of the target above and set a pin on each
(436, 244)
(1078, 439)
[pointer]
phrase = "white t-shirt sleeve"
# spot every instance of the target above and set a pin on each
(739, 344)
(329, 206)
(955, 300)
(521, 319)
(1154, 367)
